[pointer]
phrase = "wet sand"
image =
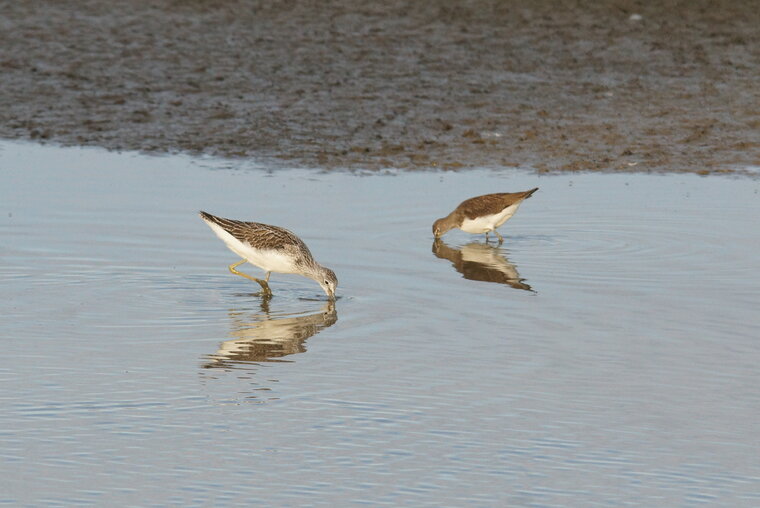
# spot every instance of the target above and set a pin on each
(585, 86)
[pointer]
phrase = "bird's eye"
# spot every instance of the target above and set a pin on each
(327, 282)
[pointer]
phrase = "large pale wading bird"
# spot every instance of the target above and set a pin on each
(271, 248)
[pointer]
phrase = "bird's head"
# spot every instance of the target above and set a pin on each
(440, 227)
(328, 281)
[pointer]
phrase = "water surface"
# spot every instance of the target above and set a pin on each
(605, 354)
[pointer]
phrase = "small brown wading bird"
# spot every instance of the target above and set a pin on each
(482, 214)
(271, 248)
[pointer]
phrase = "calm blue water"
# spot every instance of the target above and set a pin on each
(606, 355)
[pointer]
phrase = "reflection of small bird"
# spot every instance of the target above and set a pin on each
(482, 214)
(481, 262)
(259, 338)
(272, 249)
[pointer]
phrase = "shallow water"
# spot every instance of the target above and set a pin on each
(606, 354)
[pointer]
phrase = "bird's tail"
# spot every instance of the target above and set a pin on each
(208, 217)
(527, 193)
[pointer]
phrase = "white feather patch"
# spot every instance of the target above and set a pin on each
(267, 260)
(488, 222)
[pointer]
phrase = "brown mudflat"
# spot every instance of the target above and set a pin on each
(602, 86)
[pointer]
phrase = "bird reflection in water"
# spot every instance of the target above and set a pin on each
(480, 261)
(262, 337)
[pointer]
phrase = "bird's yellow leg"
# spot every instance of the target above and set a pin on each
(501, 238)
(265, 287)
(233, 270)
(263, 283)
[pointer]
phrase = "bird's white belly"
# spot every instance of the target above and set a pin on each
(268, 260)
(488, 222)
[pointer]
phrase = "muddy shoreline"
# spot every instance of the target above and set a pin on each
(585, 86)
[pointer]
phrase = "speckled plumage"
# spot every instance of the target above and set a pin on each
(272, 248)
(265, 237)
